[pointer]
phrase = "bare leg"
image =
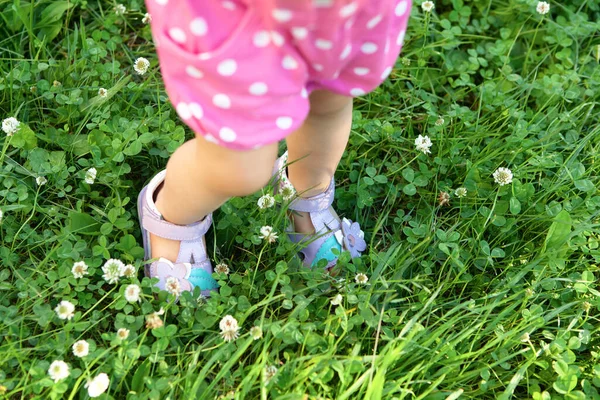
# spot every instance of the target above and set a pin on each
(200, 177)
(318, 146)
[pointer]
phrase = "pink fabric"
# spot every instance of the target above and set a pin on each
(239, 72)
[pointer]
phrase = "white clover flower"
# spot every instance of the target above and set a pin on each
(266, 201)
(423, 143)
(10, 126)
(229, 328)
(440, 121)
(1, 215)
(129, 271)
(141, 65)
(361, 278)
(427, 6)
(58, 370)
(173, 286)
(542, 7)
(90, 175)
(222, 268)
(98, 385)
(267, 233)
(56, 84)
(132, 293)
(113, 269)
(460, 192)
(81, 348)
(147, 18)
(123, 333)
(503, 176)
(525, 337)
(79, 269)
(287, 191)
(256, 332)
(120, 9)
(102, 92)
(65, 310)
(337, 300)
(153, 320)
(40, 180)
(270, 372)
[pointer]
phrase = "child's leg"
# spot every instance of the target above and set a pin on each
(318, 146)
(200, 177)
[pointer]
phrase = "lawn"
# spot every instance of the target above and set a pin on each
(482, 260)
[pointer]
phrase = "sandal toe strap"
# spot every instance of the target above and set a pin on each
(178, 277)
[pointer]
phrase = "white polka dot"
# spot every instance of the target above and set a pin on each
(196, 110)
(205, 56)
(299, 33)
(162, 2)
(262, 39)
(336, 74)
(193, 72)
(178, 35)
(357, 92)
(346, 52)
(304, 93)
(281, 15)
(387, 46)
(322, 3)
(227, 67)
(230, 5)
(284, 123)
(289, 62)
(227, 134)
(318, 67)
(361, 71)
(183, 111)
(222, 101)
(369, 48)
(277, 38)
(198, 27)
(401, 8)
(210, 138)
(323, 44)
(400, 39)
(386, 73)
(348, 10)
(348, 25)
(373, 22)
(258, 88)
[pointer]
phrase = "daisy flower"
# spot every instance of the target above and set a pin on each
(113, 270)
(267, 233)
(361, 278)
(65, 310)
(229, 328)
(81, 348)
(423, 143)
(132, 293)
(141, 65)
(58, 370)
(79, 269)
(10, 126)
(98, 385)
(427, 6)
(542, 7)
(266, 201)
(503, 176)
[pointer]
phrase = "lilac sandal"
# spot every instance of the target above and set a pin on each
(192, 267)
(331, 233)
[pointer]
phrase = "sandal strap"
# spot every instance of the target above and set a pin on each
(167, 230)
(316, 203)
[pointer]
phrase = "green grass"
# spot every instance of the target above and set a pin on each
(492, 296)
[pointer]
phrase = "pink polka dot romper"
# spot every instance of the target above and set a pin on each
(239, 72)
